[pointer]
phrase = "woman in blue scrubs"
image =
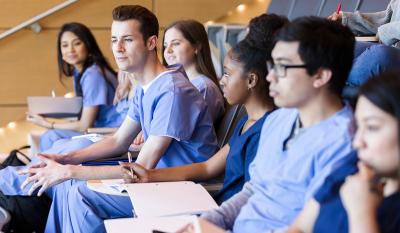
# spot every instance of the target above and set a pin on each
(94, 80)
(363, 195)
(186, 43)
(243, 83)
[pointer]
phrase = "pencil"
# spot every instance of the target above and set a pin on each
(130, 161)
(339, 7)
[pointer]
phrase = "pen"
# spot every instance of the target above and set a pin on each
(339, 7)
(130, 161)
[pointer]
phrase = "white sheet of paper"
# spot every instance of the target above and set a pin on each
(164, 224)
(145, 225)
(169, 198)
(107, 186)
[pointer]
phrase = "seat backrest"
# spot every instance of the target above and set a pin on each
(226, 126)
(329, 6)
(296, 8)
(373, 5)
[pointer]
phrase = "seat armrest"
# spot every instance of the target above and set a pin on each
(367, 38)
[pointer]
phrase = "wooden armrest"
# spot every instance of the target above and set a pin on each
(102, 130)
(213, 187)
(367, 38)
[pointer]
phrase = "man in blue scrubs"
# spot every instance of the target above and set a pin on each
(307, 138)
(171, 112)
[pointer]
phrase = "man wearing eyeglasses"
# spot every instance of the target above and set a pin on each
(307, 138)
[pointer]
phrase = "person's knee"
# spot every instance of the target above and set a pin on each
(388, 57)
(78, 194)
(48, 138)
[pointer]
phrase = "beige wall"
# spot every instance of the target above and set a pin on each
(252, 9)
(28, 61)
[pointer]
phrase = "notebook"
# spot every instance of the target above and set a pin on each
(160, 224)
(55, 107)
(160, 199)
(169, 198)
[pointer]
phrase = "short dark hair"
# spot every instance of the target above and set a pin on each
(323, 44)
(255, 50)
(383, 91)
(148, 21)
(194, 32)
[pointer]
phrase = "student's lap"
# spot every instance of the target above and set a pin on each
(10, 180)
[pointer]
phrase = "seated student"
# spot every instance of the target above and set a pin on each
(301, 142)
(243, 83)
(94, 80)
(372, 59)
(352, 199)
(186, 43)
(167, 107)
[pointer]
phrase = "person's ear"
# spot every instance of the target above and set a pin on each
(197, 48)
(322, 77)
(252, 80)
(151, 42)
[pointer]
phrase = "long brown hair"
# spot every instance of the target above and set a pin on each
(194, 32)
(95, 56)
(123, 88)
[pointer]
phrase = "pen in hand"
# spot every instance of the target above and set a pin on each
(130, 161)
(339, 7)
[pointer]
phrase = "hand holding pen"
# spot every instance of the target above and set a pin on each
(133, 172)
(336, 16)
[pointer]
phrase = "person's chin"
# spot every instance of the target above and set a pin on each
(278, 102)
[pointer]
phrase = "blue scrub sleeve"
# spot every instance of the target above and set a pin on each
(94, 87)
(175, 116)
(225, 215)
(331, 157)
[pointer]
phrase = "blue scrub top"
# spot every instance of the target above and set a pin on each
(284, 179)
(96, 91)
(171, 106)
(242, 150)
(211, 94)
(332, 215)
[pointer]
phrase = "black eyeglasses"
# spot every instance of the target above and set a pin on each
(280, 69)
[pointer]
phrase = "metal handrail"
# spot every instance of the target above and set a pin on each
(36, 18)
